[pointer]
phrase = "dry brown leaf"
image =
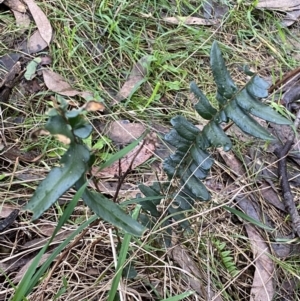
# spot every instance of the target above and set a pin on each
(12, 153)
(233, 162)
(187, 264)
(24, 269)
(15, 5)
(41, 21)
(35, 134)
(22, 20)
(284, 5)
(271, 196)
(46, 60)
(11, 75)
(291, 17)
(135, 78)
(124, 132)
(46, 230)
(6, 210)
(189, 21)
(212, 9)
(7, 61)
(291, 7)
(35, 44)
(138, 155)
(40, 242)
(266, 190)
(110, 186)
(58, 84)
(262, 285)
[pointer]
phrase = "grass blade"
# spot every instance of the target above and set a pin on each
(122, 258)
(30, 278)
(248, 218)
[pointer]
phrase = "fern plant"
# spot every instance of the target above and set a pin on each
(226, 258)
(191, 162)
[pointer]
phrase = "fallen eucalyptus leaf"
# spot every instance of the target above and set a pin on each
(58, 84)
(262, 286)
(135, 79)
(15, 5)
(284, 5)
(41, 20)
(22, 20)
(35, 44)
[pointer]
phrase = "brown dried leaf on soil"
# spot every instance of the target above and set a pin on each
(58, 84)
(284, 5)
(34, 44)
(110, 186)
(7, 61)
(123, 132)
(12, 153)
(138, 155)
(11, 75)
(41, 20)
(15, 5)
(37, 243)
(189, 21)
(291, 17)
(6, 210)
(192, 273)
(262, 285)
(93, 106)
(135, 79)
(291, 7)
(22, 20)
(47, 229)
(266, 187)
(214, 10)
(24, 269)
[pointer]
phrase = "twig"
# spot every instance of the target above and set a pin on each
(288, 198)
(122, 177)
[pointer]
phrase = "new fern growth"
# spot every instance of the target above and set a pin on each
(191, 161)
(226, 258)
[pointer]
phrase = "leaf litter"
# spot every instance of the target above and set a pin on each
(290, 7)
(192, 273)
(135, 79)
(106, 178)
(15, 5)
(124, 132)
(41, 21)
(58, 84)
(262, 287)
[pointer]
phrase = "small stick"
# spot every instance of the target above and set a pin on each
(281, 153)
(129, 169)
